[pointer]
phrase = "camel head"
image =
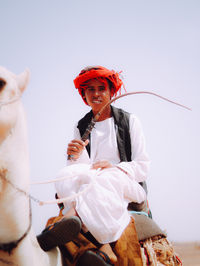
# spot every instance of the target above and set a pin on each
(11, 88)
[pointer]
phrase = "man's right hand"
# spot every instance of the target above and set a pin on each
(75, 148)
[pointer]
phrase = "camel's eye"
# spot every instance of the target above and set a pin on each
(2, 84)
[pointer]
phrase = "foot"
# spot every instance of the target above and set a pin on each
(108, 250)
(60, 233)
(93, 258)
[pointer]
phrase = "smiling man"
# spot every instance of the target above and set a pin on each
(116, 146)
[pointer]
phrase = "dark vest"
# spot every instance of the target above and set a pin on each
(121, 120)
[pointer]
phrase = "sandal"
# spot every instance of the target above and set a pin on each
(94, 257)
(59, 233)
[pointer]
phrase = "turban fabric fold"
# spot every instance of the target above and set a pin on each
(101, 73)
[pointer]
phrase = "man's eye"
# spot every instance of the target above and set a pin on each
(90, 89)
(102, 88)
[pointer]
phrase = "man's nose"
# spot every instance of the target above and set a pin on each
(96, 92)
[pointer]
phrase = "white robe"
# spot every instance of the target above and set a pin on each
(103, 207)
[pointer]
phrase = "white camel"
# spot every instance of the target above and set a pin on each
(18, 243)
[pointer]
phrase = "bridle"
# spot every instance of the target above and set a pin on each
(15, 99)
(8, 247)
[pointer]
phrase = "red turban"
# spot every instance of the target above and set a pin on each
(101, 73)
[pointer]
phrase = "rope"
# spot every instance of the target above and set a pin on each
(85, 136)
(75, 195)
(52, 180)
(17, 98)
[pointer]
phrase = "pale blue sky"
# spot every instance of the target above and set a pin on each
(156, 44)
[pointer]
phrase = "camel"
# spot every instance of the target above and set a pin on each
(18, 243)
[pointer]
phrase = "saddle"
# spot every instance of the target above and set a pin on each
(127, 248)
(142, 243)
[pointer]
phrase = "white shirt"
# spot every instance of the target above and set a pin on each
(103, 146)
(103, 208)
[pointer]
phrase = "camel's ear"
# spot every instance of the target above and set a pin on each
(23, 79)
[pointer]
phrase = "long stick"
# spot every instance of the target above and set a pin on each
(96, 118)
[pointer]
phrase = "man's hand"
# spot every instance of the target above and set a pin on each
(75, 147)
(102, 164)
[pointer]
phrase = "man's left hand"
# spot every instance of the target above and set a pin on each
(102, 164)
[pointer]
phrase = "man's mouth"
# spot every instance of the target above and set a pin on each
(97, 101)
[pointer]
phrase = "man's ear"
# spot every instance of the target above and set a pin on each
(23, 80)
(84, 98)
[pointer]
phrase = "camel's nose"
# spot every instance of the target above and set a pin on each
(2, 84)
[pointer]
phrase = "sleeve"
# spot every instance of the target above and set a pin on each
(138, 168)
(84, 158)
(135, 192)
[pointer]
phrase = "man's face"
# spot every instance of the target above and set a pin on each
(97, 94)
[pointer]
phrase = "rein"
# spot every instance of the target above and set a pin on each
(84, 137)
(3, 103)
(8, 247)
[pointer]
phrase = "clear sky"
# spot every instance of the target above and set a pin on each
(156, 45)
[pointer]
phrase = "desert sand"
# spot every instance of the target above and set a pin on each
(188, 252)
